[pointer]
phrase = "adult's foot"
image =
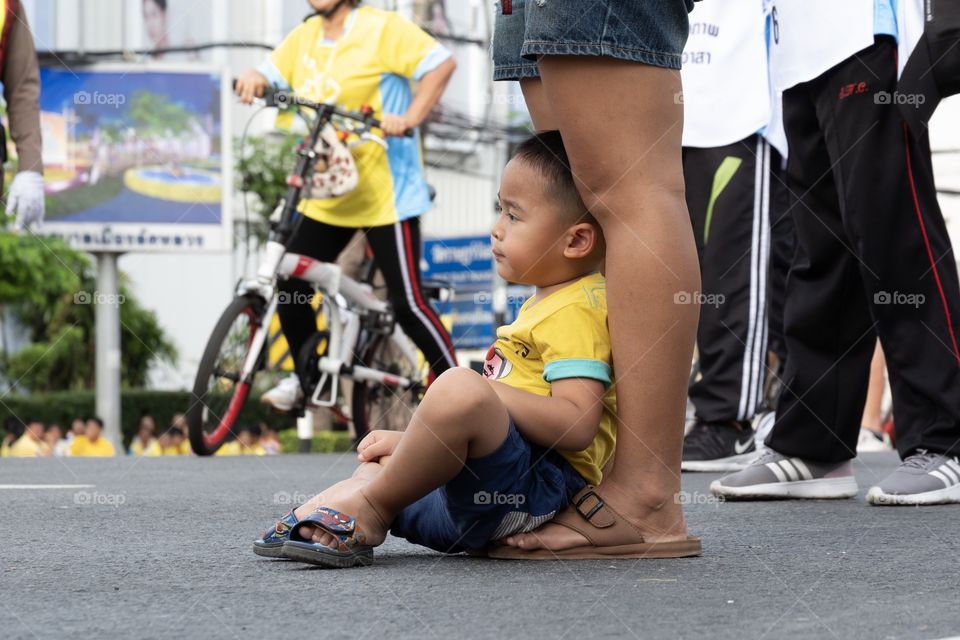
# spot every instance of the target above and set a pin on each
(657, 521)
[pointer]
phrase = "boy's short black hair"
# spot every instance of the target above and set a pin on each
(95, 419)
(545, 153)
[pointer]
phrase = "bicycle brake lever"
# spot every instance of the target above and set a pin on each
(366, 135)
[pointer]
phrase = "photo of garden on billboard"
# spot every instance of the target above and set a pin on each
(137, 158)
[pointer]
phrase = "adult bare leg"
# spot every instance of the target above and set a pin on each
(621, 126)
(873, 408)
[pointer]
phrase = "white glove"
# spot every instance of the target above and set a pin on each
(25, 200)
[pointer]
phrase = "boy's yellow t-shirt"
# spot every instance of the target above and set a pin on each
(82, 447)
(564, 335)
(372, 63)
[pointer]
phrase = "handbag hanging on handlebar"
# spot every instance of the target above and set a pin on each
(335, 172)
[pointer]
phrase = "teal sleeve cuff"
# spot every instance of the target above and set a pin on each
(273, 75)
(431, 61)
(577, 368)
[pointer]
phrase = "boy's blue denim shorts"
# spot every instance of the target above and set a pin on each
(648, 31)
(516, 488)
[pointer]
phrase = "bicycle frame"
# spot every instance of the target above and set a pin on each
(344, 324)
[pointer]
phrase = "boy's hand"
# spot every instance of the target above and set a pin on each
(250, 85)
(377, 444)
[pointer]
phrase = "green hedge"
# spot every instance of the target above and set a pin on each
(323, 442)
(64, 406)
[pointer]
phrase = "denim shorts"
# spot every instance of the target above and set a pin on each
(516, 488)
(647, 31)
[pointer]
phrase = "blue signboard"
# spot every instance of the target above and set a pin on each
(459, 261)
(467, 264)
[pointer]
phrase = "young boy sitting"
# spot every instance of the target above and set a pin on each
(487, 457)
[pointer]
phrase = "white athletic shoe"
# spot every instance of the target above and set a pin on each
(286, 395)
(774, 475)
(922, 478)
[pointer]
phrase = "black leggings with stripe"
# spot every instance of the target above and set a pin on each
(396, 248)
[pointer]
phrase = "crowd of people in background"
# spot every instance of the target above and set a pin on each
(32, 438)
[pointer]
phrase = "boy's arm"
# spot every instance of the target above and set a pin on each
(567, 420)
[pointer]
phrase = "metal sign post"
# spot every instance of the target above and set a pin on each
(107, 301)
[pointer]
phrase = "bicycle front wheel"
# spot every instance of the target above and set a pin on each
(380, 406)
(219, 393)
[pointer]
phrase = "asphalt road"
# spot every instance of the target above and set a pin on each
(160, 548)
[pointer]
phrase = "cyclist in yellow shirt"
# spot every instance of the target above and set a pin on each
(90, 444)
(355, 56)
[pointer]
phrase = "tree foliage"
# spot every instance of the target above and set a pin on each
(154, 114)
(50, 289)
(262, 167)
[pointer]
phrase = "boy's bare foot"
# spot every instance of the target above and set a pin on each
(350, 503)
(664, 523)
(361, 476)
(337, 491)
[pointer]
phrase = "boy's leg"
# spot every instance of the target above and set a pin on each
(460, 417)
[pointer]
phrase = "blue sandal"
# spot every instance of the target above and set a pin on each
(351, 548)
(270, 545)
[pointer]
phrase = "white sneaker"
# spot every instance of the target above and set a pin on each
(286, 395)
(870, 441)
(922, 478)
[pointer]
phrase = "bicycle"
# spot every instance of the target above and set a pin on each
(362, 342)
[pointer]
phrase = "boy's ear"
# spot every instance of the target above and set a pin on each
(581, 239)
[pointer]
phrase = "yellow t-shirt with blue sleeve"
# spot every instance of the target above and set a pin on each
(372, 63)
(564, 335)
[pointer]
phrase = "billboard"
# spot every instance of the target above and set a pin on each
(137, 158)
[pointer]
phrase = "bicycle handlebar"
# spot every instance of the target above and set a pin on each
(274, 97)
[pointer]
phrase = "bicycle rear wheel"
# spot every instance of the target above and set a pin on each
(375, 405)
(218, 391)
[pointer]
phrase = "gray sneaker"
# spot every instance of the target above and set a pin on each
(922, 478)
(774, 475)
